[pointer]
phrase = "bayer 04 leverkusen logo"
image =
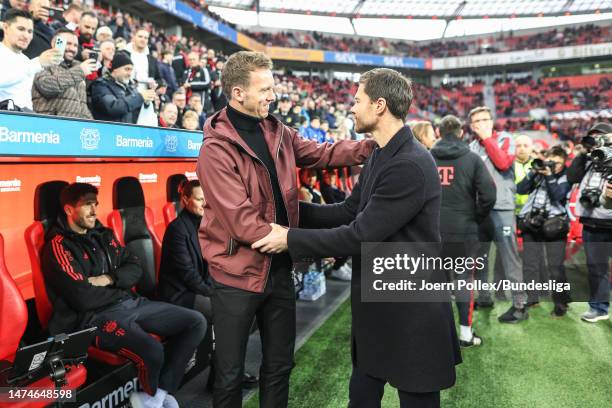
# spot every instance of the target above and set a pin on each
(90, 138)
(171, 142)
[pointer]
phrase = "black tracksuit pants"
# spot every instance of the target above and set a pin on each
(124, 328)
(233, 314)
(461, 246)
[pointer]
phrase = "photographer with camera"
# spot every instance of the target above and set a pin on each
(592, 170)
(544, 223)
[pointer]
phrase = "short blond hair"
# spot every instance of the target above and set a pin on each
(479, 109)
(238, 68)
(419, 129)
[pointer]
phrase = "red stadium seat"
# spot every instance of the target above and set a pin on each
(46, 209)
(14, 314)
(12, 309)
(133, 225)
(172, 207)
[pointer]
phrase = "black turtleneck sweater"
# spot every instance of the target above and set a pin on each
(250, 130)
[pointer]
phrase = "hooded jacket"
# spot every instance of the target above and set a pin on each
(239, 197)
(69, 259)
(468, 190)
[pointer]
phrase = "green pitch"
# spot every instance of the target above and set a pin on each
(542, 362)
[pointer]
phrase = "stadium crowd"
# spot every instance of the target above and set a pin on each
(578, 35)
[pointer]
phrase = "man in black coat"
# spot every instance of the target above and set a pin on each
(411, 345)
(468, 195)
(41, 41)
(115, 97)
(183, 273)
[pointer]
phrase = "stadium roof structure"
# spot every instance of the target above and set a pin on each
(442, 9)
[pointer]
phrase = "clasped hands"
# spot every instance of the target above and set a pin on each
(273, 243)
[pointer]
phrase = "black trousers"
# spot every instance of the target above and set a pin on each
(233, 313)
(124, 328)
(203, 305)
(538, 254)
(366, 392)
(462, 246)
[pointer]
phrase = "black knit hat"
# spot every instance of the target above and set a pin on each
(120, 59)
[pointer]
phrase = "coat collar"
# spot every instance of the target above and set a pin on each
(188, 220)
(403, 136)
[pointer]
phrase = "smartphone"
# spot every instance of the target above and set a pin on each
(60, 45)
(93, 55)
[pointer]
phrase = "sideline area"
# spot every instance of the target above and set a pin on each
(543, 362)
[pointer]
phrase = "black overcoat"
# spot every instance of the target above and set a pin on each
(411, 345)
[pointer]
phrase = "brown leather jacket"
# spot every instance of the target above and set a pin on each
(238, 192)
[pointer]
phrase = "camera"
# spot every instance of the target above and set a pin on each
(590, 198)
(536, 218)
(539, 164)
(602, 157)
(590, 142)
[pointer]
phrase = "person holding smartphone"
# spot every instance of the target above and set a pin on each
(60, 90)
(16, 84)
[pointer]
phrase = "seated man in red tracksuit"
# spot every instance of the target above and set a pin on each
(89, 277)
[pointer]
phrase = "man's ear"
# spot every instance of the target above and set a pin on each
(461, 134)
(238, 94)
(381, 104)
(437, 130)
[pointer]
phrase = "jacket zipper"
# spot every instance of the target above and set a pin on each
(271, 188)
(231, 247)
(282, 195)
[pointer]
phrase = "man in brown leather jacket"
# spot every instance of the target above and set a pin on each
(247, 169)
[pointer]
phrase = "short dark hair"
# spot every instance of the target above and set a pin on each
(90, 14)
(390, 85)
(557, 151)
(450, 125)
(12, 15)
(62, 30)
(186, 187)
(72, 193)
